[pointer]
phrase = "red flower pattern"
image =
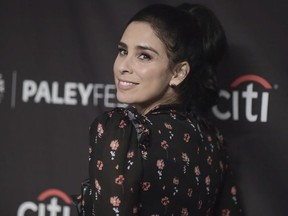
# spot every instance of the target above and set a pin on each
(114, 145)
(119, 180)
(165, 201)
(146, 186)
(164, 144)
(186, 137)
(115, 201)
(160, 164)
(99, 165)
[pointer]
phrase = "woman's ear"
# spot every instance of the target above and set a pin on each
(180, 72)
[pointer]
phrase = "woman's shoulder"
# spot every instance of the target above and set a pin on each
(180, 117)
(110, 117)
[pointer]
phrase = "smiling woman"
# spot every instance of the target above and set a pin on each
(142, 72)
(160, 155)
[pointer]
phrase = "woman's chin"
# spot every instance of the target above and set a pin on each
(124, 100)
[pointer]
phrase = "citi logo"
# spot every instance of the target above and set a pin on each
(245, 100)
(42, 207)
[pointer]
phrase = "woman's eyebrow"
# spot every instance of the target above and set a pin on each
(122, 44)
(139, 47)
(146, 47)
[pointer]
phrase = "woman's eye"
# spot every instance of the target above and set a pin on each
(144, 56)
(122, 51)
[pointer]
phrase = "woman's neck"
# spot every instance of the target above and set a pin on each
(144, 109)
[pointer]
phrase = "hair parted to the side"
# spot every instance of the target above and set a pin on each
(192, 33)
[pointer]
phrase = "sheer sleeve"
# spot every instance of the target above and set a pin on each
(229, 200)
(114, 164)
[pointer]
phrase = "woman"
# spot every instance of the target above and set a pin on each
(159, 156)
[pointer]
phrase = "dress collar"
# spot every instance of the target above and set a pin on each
(179, 108)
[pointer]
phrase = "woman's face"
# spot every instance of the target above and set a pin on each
(141, 69)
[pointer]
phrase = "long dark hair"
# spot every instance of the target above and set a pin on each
(192, 33)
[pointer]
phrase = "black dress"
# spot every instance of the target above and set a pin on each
(168, 162)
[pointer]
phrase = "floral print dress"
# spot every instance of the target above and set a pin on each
(168, 162)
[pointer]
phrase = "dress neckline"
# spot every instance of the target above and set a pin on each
(160, 109)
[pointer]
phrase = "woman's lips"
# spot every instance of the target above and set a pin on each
(126, 85)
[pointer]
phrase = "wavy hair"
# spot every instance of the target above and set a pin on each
(192, 33)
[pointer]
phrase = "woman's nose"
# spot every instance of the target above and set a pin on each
(125, 65)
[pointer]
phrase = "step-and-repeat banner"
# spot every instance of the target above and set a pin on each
(56, 62)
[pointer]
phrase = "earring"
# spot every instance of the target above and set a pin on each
(172, 85)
